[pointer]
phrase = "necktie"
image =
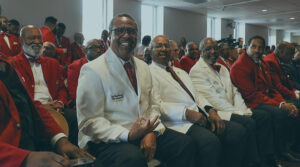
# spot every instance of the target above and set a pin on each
(131, 75)
(216, 67)
(174, 75)
(38, 61)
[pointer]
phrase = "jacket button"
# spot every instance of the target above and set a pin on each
(18, 126)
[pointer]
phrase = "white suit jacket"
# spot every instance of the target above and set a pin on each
(107, 104)
(218, 90)
(174, 100)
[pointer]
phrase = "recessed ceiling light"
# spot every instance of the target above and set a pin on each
(264, 10)
(292, 18)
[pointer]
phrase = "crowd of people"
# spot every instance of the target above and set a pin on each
(207, 105)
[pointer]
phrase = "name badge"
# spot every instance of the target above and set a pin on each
(15, 43)
(117, 98)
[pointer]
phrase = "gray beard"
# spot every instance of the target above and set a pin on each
(30, 52)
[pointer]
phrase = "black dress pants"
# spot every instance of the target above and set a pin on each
(173, 148)
(208, 146)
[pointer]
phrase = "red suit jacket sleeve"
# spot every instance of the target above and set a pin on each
(244, 76)
(73, 75)
(187, 63)
(280, 80)
(11, 156)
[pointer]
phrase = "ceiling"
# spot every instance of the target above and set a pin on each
(277, 16)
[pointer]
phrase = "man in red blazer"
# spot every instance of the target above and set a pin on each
(46, 30)
(43, 77)
(94, 49)
(9, 43)
(64, 43)
(175, 54)
(77, 48)
(283, 54)
(26, 127)
(224, 51)
(251, 75)
(191, 57)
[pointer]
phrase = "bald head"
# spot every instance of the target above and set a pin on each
(3, 23)
(161, 50)
(174, 50)
(192, 50)
(31, 40)
(94, 48)
(285, 51)
(78, 37)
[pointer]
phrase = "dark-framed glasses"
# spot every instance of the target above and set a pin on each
(122, 30)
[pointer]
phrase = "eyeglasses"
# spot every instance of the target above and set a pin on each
(122, 30)
(96, 47)
(162, 45)
(212, 48)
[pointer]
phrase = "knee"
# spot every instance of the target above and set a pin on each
(188, 145)
(238, 134)
(212, 144)
(133, 158)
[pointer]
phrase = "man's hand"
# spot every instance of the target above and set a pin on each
(54, 106)
(141, 127)
(148, 145)
(194, 116)
(68, 150)
(217, 124)
(290, 108)
(38, 159)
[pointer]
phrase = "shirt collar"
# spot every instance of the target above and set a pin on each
(30, 57)
(159, 65)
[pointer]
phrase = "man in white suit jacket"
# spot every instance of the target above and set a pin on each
(212, 81)
(184, 112)
(117, 108)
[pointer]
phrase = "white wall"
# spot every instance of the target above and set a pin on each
(180, 23)
(279, 36)
(252, 30)
(295, 39)
(35, 11)
(287, 36)
(133, 8)
(226, 30)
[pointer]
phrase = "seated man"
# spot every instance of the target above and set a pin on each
(251, 75)
(77, 48)
(293, 70)
(26, 128)
(284, 53)
(118, 110)
(212, 80)
(94, 48)
(191, 56)
(181, 112)
(225, 51)
(43, 77)
(64, 43)
(174, 54)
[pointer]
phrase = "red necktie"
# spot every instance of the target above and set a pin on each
(131, 75)
(174, 75)
(216, 67)
(38, 61)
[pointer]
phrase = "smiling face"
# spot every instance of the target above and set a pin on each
(123, 37)
(192, 51)
(161, 50)
(210, 51)
(32, 42)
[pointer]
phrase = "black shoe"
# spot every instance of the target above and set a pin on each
(273, 162)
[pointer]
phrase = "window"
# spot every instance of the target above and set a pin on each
(152, 20)
(96, 15)
(272, 37)
(239, 30)
(214, 28)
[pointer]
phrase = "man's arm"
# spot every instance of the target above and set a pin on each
(72, 80)
(62, 90)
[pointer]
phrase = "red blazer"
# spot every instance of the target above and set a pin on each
(187, 63)
(254, 87)
(53, 76)
(48, 35)
(65, 43)
(15, 45)
(279, 77)
(227, 64)
(176, 64)
(10, 130)
(77, 52)
(73, 74)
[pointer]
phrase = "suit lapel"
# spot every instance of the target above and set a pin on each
(212, 73)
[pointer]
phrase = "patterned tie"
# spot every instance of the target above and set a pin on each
(131, 75)
(174, 75)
